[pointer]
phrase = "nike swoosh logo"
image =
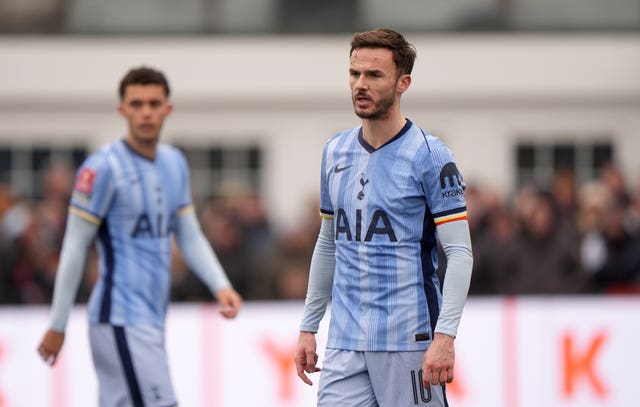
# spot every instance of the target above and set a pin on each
(338, 169)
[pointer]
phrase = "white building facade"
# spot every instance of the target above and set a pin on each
(487, 96)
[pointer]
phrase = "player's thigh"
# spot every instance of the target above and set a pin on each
(344, 380)
(112, 384)
(151, 363)
(396, 378)
(131, 360)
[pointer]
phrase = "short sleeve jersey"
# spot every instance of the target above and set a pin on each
(135, 200)
(385, 204)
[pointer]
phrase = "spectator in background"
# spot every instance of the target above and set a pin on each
(612, 178)
(608, 223)
(15, 217)
(237, 227)
(563, 193)
(545, 256)
(610, 247)
(620, 271)
(22, 257)
(293, 254)
(302, 237)
(258, 245)
(290, 274)
(266, 265)
(593, 199)
(32, 237)
(494, 255)
(222, 231)
(632, 216)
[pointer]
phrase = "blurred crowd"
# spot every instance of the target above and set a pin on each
(568, 238)
(260, 262)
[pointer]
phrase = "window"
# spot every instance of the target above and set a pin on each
(219, 170)
(318, 16)
(537, 162)
(23, 168)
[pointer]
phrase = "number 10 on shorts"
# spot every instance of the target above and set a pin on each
(416, 383)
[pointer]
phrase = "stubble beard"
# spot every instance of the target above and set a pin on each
(381, 110)
(147, 139)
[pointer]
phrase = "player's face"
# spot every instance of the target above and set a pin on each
(145, 107)
(374, 81)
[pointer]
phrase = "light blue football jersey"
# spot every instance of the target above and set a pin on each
(385, 204)
(135, 201)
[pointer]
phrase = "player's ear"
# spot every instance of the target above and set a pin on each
(403, 83)
(121, 109)
(169, 108)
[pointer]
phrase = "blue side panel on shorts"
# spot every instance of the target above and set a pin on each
(105, 239)
(444, 395)
(428, 244)
(127, 364)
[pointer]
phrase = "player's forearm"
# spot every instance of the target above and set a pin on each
(198, 254)
(456, 243)
(78, 236)
(321, 271)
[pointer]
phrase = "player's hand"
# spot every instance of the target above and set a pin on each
(438, 361)
(306, 356)
(230, 302)
(50, 346)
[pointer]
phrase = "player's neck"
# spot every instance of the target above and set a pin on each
(145, 149)
(377, 132)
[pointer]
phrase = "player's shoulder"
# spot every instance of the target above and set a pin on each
(171, 155)
(433, 149)
(342, 135)
(101, 157)
(430, 141)
(95, 170)
(170, 150)
(433, 152)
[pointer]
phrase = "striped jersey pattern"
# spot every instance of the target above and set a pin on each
(135, 201)
(385, 204)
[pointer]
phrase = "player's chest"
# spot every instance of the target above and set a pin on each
(373, 179)
(145, 204)
(145, 189)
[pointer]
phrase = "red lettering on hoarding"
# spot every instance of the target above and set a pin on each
(456, 388)
(582, 365)
(285, 366)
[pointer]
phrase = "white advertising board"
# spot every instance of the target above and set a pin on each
(510, 352)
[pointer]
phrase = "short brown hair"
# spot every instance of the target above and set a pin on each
(404, 54)
(144, 76)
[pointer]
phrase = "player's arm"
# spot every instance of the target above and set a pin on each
(318, 293)
(80, 231)
(200, 257)
(456, 243)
